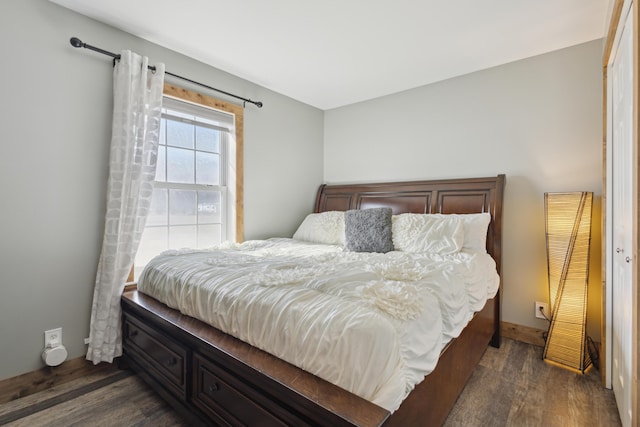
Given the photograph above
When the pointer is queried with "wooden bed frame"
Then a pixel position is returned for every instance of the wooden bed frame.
(212, 378)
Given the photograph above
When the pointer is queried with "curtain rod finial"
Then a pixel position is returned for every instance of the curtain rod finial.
(259, 104)
(76, 42)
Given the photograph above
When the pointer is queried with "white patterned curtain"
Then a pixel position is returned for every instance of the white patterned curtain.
(137, 95)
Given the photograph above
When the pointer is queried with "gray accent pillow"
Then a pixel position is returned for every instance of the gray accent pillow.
(368, 230)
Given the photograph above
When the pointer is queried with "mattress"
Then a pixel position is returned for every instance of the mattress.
(373, 324)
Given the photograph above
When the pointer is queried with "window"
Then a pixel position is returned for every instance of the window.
(195, 200)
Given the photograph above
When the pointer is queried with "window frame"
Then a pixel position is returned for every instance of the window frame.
(237, 111)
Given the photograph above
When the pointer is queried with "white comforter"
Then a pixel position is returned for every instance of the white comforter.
(373, 324)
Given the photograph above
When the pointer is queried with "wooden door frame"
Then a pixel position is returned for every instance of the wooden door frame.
(605, 320)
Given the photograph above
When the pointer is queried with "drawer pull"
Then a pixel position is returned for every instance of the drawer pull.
(213, 388)
(171, 361)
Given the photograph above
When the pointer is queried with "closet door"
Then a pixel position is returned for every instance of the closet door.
(621, 73)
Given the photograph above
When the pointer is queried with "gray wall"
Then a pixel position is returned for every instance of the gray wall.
(539, 121)
(55, 112)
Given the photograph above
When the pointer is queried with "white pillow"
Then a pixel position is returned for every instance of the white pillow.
(323, 227)
(418, 233)
(475, 229)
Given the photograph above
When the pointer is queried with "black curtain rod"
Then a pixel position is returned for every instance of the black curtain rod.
(76, 42)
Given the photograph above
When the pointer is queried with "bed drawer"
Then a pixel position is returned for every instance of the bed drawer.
(219, 394)
(158, 354)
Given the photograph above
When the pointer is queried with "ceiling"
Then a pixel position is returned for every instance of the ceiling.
(332, 53)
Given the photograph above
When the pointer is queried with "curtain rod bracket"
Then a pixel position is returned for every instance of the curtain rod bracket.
(77, 43)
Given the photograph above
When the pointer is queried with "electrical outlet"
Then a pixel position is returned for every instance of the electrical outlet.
(53, 337)
(545, 310)
(86, 340)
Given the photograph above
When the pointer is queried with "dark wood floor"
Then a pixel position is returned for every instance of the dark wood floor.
(512, 386)
(108, 398)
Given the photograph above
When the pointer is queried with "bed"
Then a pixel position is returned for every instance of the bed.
(212, 378)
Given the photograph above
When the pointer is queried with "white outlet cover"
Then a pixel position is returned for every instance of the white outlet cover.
(545, 310)
(53, 337)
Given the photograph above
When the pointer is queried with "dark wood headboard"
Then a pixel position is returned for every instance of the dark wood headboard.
(466, 195)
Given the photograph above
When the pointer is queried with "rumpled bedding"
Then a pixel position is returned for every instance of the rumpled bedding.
(373, 324)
